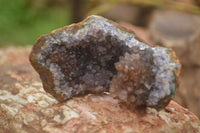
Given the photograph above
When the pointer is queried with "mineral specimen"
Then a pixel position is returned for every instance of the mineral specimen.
(98, 55)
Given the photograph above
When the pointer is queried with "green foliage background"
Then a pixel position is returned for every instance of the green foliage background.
(22, 21)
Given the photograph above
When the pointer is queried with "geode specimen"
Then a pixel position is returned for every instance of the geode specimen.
(98, 55)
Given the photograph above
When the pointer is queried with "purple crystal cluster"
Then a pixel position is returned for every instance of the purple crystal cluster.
(98, 55)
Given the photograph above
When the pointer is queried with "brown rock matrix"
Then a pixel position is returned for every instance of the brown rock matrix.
(98, 55)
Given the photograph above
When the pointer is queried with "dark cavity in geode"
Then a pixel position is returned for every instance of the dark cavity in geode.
(97, 55)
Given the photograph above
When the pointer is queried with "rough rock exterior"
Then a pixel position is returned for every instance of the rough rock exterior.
(26, 108)
(83, 58)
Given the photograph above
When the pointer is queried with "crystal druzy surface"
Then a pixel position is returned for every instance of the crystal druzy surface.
(98, 55)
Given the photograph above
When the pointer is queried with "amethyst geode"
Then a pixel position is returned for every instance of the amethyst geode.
(98, 55)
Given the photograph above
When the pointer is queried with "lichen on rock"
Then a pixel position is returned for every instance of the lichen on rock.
(98, 55)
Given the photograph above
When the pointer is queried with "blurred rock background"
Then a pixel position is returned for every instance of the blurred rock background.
(168, 23)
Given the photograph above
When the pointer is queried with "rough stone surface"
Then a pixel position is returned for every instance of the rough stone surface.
(179, 31)
(83, 58)
(26, 108)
